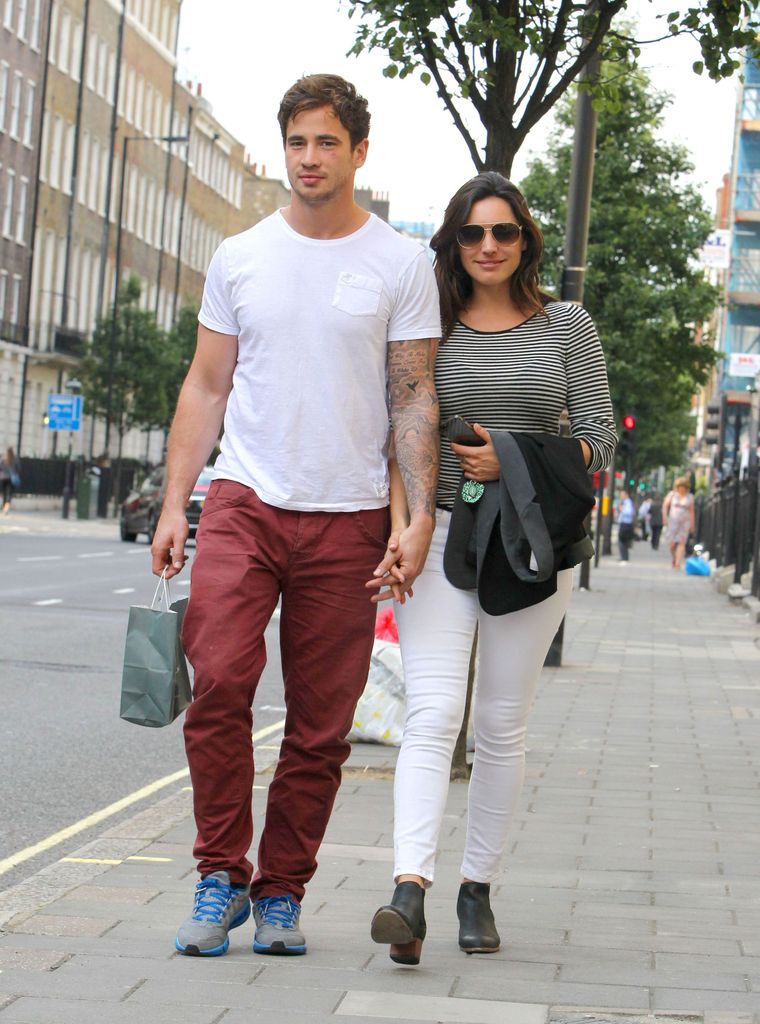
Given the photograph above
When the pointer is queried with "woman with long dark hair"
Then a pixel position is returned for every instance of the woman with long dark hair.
(512, 359)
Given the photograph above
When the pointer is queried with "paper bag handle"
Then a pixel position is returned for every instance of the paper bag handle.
(164, 593)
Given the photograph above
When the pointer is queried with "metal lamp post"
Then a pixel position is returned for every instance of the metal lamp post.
(74, 387)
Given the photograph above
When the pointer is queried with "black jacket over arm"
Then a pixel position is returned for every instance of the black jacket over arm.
(537, 507)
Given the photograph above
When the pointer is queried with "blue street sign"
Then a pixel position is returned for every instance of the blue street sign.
(64, 412)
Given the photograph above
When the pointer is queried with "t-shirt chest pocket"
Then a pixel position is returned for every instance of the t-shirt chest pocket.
(357, 294)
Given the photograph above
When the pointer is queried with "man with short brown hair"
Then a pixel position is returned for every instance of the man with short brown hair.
(313, 323)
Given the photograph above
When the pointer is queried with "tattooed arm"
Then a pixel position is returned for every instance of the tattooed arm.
(414, 413)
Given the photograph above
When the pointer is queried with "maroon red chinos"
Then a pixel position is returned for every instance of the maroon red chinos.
(248, 553)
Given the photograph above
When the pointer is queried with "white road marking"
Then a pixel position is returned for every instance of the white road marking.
(106, 812)
(41, 558)
(124, 590)
(49, 600)
(139, 551)
(97, 554)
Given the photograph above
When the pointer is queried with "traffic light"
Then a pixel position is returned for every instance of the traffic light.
(711, 433)
(628, 446)
(628, 437)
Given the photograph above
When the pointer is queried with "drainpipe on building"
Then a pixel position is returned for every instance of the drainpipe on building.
(109, 173)
(182, 214)
(74, 168)
(33, 237)
(167, 173)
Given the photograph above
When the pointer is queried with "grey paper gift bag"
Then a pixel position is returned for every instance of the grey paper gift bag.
(155, 686)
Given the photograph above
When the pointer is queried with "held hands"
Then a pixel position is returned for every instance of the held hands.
(403, 562)
(168, 547)
(478, 463)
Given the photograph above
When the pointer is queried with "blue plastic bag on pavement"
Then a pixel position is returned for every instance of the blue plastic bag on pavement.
(696, 566)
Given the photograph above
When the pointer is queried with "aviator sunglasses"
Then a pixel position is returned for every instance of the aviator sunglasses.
(505, 233)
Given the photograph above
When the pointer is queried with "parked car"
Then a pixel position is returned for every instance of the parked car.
(141, 509)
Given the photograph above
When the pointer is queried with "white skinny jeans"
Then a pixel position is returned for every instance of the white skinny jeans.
(436, 629)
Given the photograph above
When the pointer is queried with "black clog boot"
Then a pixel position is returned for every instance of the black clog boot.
(402, 923)
(477, 928)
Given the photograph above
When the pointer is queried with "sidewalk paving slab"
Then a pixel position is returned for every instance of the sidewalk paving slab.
(631, 890)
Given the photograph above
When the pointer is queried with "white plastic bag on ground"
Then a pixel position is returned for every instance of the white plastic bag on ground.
(380, 713)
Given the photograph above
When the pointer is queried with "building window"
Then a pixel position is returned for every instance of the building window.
(53, 31)
(3, 292)
(103, 69)
(23, 192)
(4, 72)
(64, 43)
(91, 73)
(34, 32)
(84, 167)
(164, 30)
(139, 101)
(111, 74)
(8, 16)
(68, 158)
(76, 51)
(94, 175)
(15, 298)
(56, 151)
(148, 115)
(18, 84)
(21, 20)
(102, 181)
(28, 129)
(130, 111)
(10, 187)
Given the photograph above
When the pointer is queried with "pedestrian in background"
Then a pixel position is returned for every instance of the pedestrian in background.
(678, 511)
(644, 509)
(655, 519)
(309, 321)
(10, 478)
(626, 519)
(512, 359)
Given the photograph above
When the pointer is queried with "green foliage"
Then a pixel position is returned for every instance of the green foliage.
(643, 286)
(131, 353)
(510, 61)
(181, 343)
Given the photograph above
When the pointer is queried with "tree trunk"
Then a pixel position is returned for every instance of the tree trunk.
(501, 147)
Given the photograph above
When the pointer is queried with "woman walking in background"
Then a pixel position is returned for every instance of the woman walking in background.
(10, 478)
(511, 360)
(678, 513)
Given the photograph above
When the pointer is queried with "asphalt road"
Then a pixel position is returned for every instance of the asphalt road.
(64, 751)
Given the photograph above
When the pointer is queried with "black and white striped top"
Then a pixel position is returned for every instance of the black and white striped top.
(521, 379)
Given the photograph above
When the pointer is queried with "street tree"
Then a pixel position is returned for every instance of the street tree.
(643, 286)
(506, 63)
(181, 341)
(126, 370)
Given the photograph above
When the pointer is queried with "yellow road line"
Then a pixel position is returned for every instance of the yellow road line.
(106, 812)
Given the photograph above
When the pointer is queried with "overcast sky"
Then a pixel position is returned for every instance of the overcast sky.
(247, 54)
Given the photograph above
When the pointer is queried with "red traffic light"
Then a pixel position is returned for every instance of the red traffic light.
(629, 422)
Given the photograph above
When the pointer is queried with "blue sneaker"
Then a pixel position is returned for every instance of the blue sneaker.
(277, 930)
(219, 906)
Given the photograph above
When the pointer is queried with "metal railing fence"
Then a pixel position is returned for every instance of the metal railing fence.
(728, 525)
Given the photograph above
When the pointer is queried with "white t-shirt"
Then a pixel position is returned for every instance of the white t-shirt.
(306, 424)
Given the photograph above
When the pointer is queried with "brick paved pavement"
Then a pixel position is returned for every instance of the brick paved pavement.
(631, 891)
